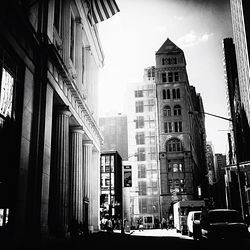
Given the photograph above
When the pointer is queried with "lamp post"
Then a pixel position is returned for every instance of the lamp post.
(236, 152)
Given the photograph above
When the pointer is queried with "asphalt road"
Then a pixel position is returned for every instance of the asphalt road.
(140, 240)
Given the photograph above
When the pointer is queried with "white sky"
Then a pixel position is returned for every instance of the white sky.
(131, 37)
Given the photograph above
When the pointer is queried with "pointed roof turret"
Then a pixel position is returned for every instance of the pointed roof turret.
(169, 47)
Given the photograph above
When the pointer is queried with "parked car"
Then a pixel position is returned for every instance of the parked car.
(193, 224)
(223, 224)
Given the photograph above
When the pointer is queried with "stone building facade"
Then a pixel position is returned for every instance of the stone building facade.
(50, 142)
(181, 134)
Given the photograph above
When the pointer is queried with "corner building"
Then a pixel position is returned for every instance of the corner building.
(181, 134)
(49, 60)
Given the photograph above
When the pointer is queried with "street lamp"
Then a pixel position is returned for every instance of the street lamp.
(236, 151)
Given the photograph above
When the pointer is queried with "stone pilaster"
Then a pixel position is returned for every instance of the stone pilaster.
(94, 201)
(60, 181)
(87, 155)
(76, 171)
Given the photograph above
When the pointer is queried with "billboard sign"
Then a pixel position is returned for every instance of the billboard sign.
(127, 176)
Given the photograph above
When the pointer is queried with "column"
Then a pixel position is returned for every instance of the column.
(87, 154)
(76, 162)
(46, 161)
(60, 173)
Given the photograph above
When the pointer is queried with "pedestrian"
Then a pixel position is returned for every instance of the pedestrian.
(163, 223)
(109, 226)
(103, 223)
(140, 225)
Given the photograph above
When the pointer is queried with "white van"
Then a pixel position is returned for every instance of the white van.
(193, 224)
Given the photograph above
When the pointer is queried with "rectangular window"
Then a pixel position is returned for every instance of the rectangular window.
(164, 77)
(167, 127)
(178, 127)
(175, 166)
(107, 160)
(138, 93)
(140, 138)
(139, 107)
(142, 185)
(72, 39)
(83, 65)
(152, 153)
(170, 76)
(176, 76)
(107, 169)
(107, 182)
(141, 171)
(143, 206)
(139, 122)
(6, 94)
(57, 15)
(141, 154)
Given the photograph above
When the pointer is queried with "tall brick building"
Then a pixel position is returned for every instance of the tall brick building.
(181, 134)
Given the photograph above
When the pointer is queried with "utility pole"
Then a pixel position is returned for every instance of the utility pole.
(233, 120)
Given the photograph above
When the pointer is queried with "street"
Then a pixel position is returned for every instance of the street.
(146, 239)
(135, 239)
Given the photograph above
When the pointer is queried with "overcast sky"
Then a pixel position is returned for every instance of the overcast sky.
(131, 37)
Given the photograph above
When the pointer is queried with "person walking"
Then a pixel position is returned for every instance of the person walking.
(163, 223)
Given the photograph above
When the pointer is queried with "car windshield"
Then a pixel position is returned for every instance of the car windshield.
(224, 216)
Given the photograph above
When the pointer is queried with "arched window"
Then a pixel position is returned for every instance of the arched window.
(177, 110)
(163, 94)
(166, 110)
(168, 94)
(174, 145)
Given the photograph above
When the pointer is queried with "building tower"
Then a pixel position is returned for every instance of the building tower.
(181, 131)
(114, 132)
(142, 151)
(241, 33)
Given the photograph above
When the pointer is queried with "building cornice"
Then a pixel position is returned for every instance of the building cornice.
(82, 109)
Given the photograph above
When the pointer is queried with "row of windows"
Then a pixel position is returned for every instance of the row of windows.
(144, 93)
(170, 77)
(107, 160)
(143, 172)
(141, 138)
(175, 166)
(148, 206)
(166, 94)
(169, 61)
(141, 154)
(174, 145)
(151, 73)
(176, 185)
(148, 106)
(140, 122)
(105, 182)
(170, 127)
(167, 110)
(107, 169)
(148, 188)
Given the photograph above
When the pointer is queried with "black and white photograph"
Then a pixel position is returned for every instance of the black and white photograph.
(124, 124)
